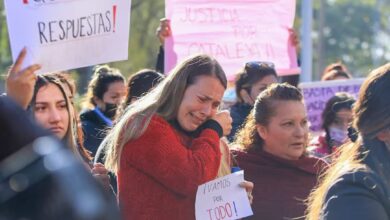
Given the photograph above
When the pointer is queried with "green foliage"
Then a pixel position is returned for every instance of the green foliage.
(351, 34)
(5, 55)
(144, 45)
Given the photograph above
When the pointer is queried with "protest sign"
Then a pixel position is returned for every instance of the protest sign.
(234, 32)
(222, 198)
(316, 94)
(67, 34)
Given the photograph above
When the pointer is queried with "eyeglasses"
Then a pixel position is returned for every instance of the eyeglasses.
(259, 65)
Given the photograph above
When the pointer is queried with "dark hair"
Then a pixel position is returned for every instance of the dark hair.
(264, 108)
(339, 66)
(372, 110)
(141, 82)
(339, 101)
(44, 80)
(250, 75)
(103, 76)
(333, 74)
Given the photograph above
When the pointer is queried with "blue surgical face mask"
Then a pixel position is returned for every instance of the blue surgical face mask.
(339, 136)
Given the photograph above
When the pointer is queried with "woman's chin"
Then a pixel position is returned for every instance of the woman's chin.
(189, 127)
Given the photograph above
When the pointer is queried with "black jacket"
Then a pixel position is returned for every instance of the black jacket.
(238, 112)
(94, 128)
(363, 194)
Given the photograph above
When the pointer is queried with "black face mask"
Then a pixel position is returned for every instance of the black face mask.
(110, 110)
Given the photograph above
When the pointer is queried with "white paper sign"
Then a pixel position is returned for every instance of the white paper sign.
(222, 198)
(68, 34)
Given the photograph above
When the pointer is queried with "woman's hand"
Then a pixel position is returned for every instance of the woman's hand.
(248, 188)
(225, 120)
(164, 30)
(20, 83)
(294, 39)
(101, 174)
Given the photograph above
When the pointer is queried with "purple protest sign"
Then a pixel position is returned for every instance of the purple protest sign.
(316, 94)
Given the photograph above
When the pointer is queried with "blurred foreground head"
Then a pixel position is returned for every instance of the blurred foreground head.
(40, 178)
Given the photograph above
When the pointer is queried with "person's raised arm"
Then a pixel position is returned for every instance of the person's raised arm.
(163, 31)
(20, 82)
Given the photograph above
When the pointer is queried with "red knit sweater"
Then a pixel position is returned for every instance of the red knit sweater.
(158, 175)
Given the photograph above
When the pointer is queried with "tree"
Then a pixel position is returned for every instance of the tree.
(351, 34)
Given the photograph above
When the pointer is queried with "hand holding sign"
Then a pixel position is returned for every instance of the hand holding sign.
(164, 30)
(223, 198)
(248, 186)
(20, 82)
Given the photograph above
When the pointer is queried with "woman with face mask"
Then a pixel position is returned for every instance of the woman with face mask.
(336, 118)
(357, 185)
(106, 91)
(139, 84)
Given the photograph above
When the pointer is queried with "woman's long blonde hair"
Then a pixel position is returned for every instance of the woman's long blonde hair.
(163, 100)
(371, 114)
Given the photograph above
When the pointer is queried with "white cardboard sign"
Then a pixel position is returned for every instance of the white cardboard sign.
(222, 198)
(68, 34)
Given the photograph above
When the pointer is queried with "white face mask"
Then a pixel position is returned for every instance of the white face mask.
(338, 135)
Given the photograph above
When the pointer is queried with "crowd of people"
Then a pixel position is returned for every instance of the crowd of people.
(151, 140)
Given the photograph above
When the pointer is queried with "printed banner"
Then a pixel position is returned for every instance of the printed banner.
(222, 198)
(234, 32)
(68, 34)
(316, 94)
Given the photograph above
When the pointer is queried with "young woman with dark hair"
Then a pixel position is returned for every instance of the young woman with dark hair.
(250, 82)
(106, 91)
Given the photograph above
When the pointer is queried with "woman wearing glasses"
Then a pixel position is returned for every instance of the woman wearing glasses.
(250, 81)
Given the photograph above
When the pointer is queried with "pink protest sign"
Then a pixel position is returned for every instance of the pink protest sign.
(234, 32)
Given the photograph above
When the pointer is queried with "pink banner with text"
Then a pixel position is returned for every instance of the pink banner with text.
(232, 31)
